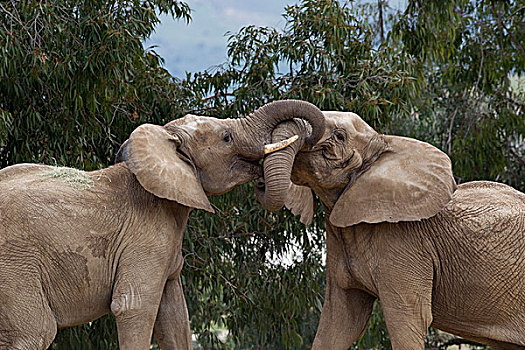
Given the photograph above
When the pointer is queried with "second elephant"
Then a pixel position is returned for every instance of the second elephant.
(398, 229)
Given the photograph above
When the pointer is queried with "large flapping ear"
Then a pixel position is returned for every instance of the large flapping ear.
(412, 181)
(300, 201)
(151, 154)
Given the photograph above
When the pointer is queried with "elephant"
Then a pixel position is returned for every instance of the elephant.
(77, 245)
(399, 230)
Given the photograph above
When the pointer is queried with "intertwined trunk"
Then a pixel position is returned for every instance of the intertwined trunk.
(256, 129)
(278, 165)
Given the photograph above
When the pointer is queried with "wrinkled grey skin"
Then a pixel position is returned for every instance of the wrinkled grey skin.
(77, 245)
(456, 263)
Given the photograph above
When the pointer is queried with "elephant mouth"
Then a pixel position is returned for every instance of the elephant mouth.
(260, 184)
(252, 167)
(240, 171)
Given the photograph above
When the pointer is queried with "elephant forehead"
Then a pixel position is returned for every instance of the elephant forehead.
(348, 121)
(357, 129)
(195, 124)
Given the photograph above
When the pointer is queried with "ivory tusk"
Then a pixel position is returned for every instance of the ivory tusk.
(279, 145)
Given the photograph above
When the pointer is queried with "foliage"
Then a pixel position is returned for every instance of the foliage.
(238, 279)
(473, 100)
(76, 80)
(327, 58)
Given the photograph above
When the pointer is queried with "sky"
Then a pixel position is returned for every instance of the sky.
(201, 44)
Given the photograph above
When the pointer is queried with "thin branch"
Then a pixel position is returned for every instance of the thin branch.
(381, 25)
(207, 98)
(449, 140)
(459, 341)
(482, 59)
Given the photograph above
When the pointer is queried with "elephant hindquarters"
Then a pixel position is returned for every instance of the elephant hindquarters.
(26, 320)
(482, 260)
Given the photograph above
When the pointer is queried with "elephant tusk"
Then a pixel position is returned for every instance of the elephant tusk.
(279, 145)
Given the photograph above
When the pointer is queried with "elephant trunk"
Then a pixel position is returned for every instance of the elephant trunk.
(272, 192)
(258, 126)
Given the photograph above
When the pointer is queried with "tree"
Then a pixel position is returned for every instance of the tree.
(74, 77)
(473, 99)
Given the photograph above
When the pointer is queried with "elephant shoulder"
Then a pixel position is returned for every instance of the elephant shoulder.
(29, 175)
(15, 179)
(486, 206)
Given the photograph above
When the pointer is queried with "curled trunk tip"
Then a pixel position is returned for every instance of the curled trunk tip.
(276, 112)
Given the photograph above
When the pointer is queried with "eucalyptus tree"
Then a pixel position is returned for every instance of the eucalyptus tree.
(75, 77)
(472, 56)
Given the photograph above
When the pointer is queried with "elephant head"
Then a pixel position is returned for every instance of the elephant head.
(194, 156)
(359, 174)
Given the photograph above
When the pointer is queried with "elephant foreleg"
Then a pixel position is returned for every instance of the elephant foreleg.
(408, 327)
(407, 307)
(344, 317)
(172, 327)
(136, 297)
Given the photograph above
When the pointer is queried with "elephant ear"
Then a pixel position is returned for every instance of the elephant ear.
(151, 153)
(412, 181)
(300, 201)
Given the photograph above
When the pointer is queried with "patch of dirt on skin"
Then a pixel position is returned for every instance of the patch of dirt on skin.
(70, 261)
(98, 246)
(73, 177)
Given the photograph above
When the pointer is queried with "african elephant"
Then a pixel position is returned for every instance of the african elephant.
(76, 245)
(398, 229)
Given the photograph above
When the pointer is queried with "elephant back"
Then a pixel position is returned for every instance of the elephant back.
(487, 208)
(10, 172)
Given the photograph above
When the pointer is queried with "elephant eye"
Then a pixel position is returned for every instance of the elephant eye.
(339, 135)
(227, 138)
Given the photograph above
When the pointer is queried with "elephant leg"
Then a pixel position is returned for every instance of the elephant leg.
(407, 308)
(407, 330)
(135, 317)
(172, 327)
(344, 317)
(135, 301)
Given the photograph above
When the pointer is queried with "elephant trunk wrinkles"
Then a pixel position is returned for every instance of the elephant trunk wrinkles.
(258, 126)
(278, 165)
